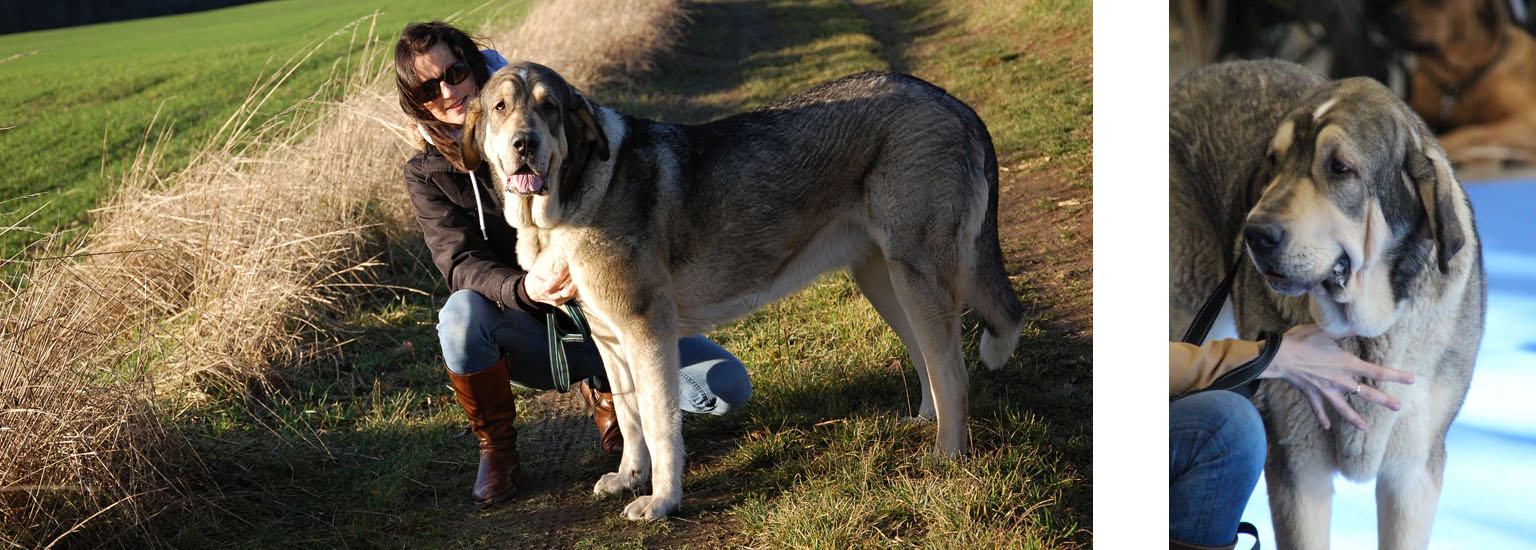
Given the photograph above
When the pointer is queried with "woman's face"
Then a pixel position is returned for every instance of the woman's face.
(448, 104)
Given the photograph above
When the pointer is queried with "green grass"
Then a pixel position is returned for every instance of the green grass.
(81, 102)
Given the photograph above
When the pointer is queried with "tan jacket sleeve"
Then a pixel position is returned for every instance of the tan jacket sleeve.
(1193, 367)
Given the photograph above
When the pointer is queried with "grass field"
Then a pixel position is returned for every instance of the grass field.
(362, 446)
(80, 102)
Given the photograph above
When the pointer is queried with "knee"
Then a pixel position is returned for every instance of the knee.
(1229, 425)
(717, 381)
(457, 322)
(1241, 431)
(731, 385)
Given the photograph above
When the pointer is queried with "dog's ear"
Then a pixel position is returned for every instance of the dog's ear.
(1492, 14)
(1432, 176)
(585, 113)
(469, 147)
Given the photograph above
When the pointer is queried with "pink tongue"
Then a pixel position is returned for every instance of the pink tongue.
(526, 184)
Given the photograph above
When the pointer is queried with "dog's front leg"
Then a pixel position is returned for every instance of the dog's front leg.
(1300, 483)
(635, 463)
(1408, 488)
(651, 348)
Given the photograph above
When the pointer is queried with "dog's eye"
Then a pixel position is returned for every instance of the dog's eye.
(1338, 168)
(501, 105)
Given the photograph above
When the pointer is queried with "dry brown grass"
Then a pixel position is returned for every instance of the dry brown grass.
(220, 277)
(591, 43)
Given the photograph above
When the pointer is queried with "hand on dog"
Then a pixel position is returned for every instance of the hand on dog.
(550, 281)
(1310, 360)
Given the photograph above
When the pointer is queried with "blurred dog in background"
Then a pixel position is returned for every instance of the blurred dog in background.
(1473, 80)
(1468, 67)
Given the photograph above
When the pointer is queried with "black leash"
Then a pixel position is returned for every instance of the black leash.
(559, 365)
(1201, 326)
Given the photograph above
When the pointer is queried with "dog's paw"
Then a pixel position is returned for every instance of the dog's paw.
(613, 483)
(648, 508)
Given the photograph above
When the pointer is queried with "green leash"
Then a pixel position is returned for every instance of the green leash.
(559, 365)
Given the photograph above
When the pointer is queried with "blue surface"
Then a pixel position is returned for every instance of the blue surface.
(1489, 497)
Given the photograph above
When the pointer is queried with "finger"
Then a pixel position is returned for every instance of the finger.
(1346, 411)
(1380, 398)
(1386, 374)
(1317, 408)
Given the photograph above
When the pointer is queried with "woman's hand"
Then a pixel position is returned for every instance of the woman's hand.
(550, 281)
(1311, 360)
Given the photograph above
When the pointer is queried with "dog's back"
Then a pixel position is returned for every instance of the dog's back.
(873, 161)
(1220, 119)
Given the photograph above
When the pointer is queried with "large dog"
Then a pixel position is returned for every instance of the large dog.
(1351, 219)
(1474, 78)
(670, 230)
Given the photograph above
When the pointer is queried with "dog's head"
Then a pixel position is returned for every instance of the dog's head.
(537, 133)
(1359, 198)
(1440, 27)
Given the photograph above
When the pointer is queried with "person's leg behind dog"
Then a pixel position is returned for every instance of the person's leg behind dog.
(475, 334)
(1216, 452)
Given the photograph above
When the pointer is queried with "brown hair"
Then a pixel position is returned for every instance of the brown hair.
(415, 40)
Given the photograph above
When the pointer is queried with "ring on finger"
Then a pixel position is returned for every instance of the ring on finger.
(1358, 387)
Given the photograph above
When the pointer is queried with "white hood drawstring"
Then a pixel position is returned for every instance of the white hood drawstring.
(473, 184)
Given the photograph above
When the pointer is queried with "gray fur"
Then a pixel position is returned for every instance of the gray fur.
(671, 230)
(1416, 297)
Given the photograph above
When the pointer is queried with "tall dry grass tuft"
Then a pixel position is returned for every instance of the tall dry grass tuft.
(222, 277)
(591, 43)
(79, 435)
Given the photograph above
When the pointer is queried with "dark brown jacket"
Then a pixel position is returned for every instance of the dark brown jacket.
(445, 207)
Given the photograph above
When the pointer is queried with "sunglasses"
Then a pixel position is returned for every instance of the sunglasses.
(452, 75)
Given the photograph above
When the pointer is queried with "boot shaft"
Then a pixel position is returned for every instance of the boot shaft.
(487, 399)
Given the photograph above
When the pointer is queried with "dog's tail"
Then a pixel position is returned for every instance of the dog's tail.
(991, 294)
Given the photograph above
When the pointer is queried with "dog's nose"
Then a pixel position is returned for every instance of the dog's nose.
(525, 143)
(1263, 236)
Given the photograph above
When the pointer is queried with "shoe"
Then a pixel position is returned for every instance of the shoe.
(601, 403)
(486, 397)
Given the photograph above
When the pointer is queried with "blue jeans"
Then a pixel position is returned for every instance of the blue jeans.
(475, 333)
(1215, 454)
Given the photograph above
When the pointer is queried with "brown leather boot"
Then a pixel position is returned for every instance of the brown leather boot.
(607, 420)
(487, 400)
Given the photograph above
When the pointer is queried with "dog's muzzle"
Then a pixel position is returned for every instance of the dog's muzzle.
(1266, 242)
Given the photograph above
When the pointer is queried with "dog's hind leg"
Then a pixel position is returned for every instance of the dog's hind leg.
(932, 309)
(1406, 494)
(874, 280)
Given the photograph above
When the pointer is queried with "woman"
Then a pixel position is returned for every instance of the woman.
(1216, 438)
(491, 328)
